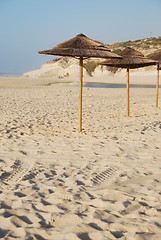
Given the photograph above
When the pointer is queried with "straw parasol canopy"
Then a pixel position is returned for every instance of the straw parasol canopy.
(81, 47)
(131, 59)
(156, 56)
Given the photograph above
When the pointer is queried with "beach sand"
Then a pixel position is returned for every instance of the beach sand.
(58, 184)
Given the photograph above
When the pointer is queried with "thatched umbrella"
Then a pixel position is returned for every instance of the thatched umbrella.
(156, 56)
(131, 59)
(81, 47)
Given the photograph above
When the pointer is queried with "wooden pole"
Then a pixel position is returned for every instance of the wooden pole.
(80, 92)
(157, 86)
(128, 111)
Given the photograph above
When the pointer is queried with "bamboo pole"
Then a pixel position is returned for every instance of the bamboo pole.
(128, 111)
(80, 92)
(157, 86)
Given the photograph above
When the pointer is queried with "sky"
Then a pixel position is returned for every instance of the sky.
(27, 26)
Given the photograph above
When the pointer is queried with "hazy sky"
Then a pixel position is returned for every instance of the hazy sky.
(27, 26)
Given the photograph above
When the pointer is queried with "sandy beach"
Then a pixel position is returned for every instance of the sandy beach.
(58, 184)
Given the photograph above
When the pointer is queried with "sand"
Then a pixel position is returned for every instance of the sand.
(58, 184)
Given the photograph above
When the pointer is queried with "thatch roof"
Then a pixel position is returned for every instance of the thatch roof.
(130, 52)
(156, 56)
(81, 46)
(131, 59)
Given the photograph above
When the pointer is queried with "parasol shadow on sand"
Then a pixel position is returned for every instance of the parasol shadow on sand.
(156, 56)
(131, 59)
(81, 47)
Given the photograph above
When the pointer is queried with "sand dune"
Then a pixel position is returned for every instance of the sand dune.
(56, 183)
